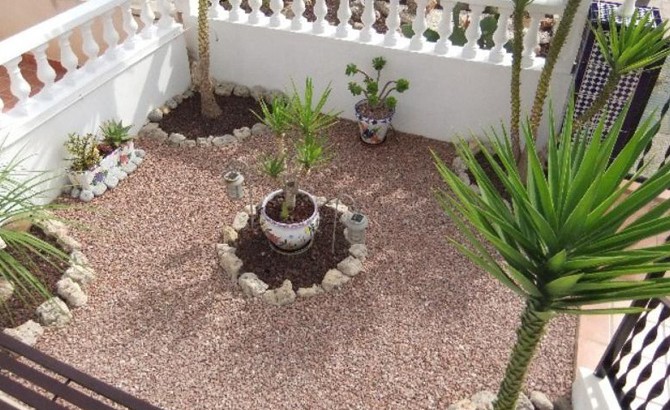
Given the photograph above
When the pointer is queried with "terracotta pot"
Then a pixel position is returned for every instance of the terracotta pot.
(289, 237)
(372, 130)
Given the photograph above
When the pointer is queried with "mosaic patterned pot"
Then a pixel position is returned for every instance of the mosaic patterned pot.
(289, 237)
(373, 131)
(88, 179)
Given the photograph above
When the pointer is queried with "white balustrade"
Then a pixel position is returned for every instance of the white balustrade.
(627, 9)
(89, 45)
(393, 23)
(147, 18)
(298, 20)
(68, 58)
(276, 7)
(214, 9)
(419, 26)
(235, 10)
(531, 40)
(166, 21)
(17, 84)
(473, 32)
(343, 14)
(444, 29)
(45, 73)
(500, 36)
(368, 19)
(129, 25)
(320, 11)
(254, 16)
(109, 33)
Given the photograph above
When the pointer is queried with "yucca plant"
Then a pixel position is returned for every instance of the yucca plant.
(638, 44)
(563, 240)
(18, 191)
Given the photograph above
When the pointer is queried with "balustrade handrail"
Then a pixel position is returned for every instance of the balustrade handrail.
(54, 27)
(544, 6)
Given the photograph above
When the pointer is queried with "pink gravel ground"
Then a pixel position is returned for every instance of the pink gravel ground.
(420, 328)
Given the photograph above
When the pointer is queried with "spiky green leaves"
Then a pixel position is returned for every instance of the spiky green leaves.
(83, 150)
(114, 133)
(375, 95)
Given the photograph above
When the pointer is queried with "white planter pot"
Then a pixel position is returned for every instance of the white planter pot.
(289, 236)
(372, 131)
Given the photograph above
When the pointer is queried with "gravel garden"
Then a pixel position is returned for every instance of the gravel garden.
(415, 326)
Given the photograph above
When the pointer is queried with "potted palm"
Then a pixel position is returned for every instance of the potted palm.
(375, 112)
(289, 216)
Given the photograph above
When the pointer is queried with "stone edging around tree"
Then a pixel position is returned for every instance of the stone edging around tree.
(253, 287)
(483, 400)
(152, 129)
(70, 288)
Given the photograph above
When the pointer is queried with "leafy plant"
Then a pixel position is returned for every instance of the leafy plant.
(114, 133)
(638, 44)
(566, 234)
(297, 122)
(18, 191)
(84, 151)
(377, 97)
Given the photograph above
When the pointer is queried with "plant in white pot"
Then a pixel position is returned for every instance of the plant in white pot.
(375, 112)
(289, 216)
(85, 172)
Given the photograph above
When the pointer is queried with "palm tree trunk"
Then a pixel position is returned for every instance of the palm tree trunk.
(550, 62)
(208, 105)
(534, 320)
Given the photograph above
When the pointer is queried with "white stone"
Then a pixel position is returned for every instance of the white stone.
(27, 333)
(228, 234)
(176, 139)
(459, 165)
(350, 266)
(203, 142)
(155, 115)
(130, 166)
(69, 243)
(241, 91)
(53, 228)
(309, 292)
(54, 312)
(242, 133)
(77, 257)
(250, 209)
(76, 191)
(339, 206)
(464, 177)
(188, 93)
(541, 401)
(321, 200)
(240, 221)
(224, 88)
(483, 400)
(334, 279)
(259, 129)
(257, 92)
(137, 160)
(281, 296)
(119, 173)
(223, 140)
(187, 144)
(6, 290)
(171, 103)
(359, 251)
(154, 132)
(252, 286)
(178, 98)
(86, 195)
(231, 264)
(463, 405)
(71, 292)
(80, 274)
(98, 190)
(222, 248)
(111, 181)
(524, 403)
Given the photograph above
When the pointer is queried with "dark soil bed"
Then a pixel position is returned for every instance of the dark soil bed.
(16, 311)
(186, 118)
(302, 270)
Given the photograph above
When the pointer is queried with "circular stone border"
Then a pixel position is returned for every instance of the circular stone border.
(54, 312)
(253, 287)
(152, 129)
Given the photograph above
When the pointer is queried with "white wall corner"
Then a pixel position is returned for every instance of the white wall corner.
(590, 392)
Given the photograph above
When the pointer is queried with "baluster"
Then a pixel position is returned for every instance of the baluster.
(45, 73)
(444, 29)
(368, 18)
(500, 36)
(530, 41)
(419, 26)
(276, 7)
(89, 45)
(165, 21)
(17, 84)
(254, 16)
(298, 8)
(320, 11)
(343, 14)
(214, 9)
(393, 23)
(147, 17)
(235, 10)
(129, 25)
(109, 33)
(68, 58)
(473, 32)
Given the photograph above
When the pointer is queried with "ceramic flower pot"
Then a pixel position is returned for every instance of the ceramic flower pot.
(126, 152)
(289, 237)
(87, 180)
(372, 130)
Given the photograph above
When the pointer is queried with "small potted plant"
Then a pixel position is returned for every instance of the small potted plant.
(289, 216)
(84, 171)
(117, 146)
(375, 112)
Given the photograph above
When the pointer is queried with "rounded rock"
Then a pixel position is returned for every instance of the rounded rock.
(155, 115)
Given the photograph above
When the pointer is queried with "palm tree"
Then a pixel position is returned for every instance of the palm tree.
(565, 235)
(208, 105)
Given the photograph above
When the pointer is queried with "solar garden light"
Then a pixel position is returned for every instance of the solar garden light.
(337, 205)
(234, 180)
(356, 224)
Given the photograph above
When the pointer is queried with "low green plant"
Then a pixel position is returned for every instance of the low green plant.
(83, 150)
(20, 250)
(297, 122)
(376, 97)
(115, 134)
